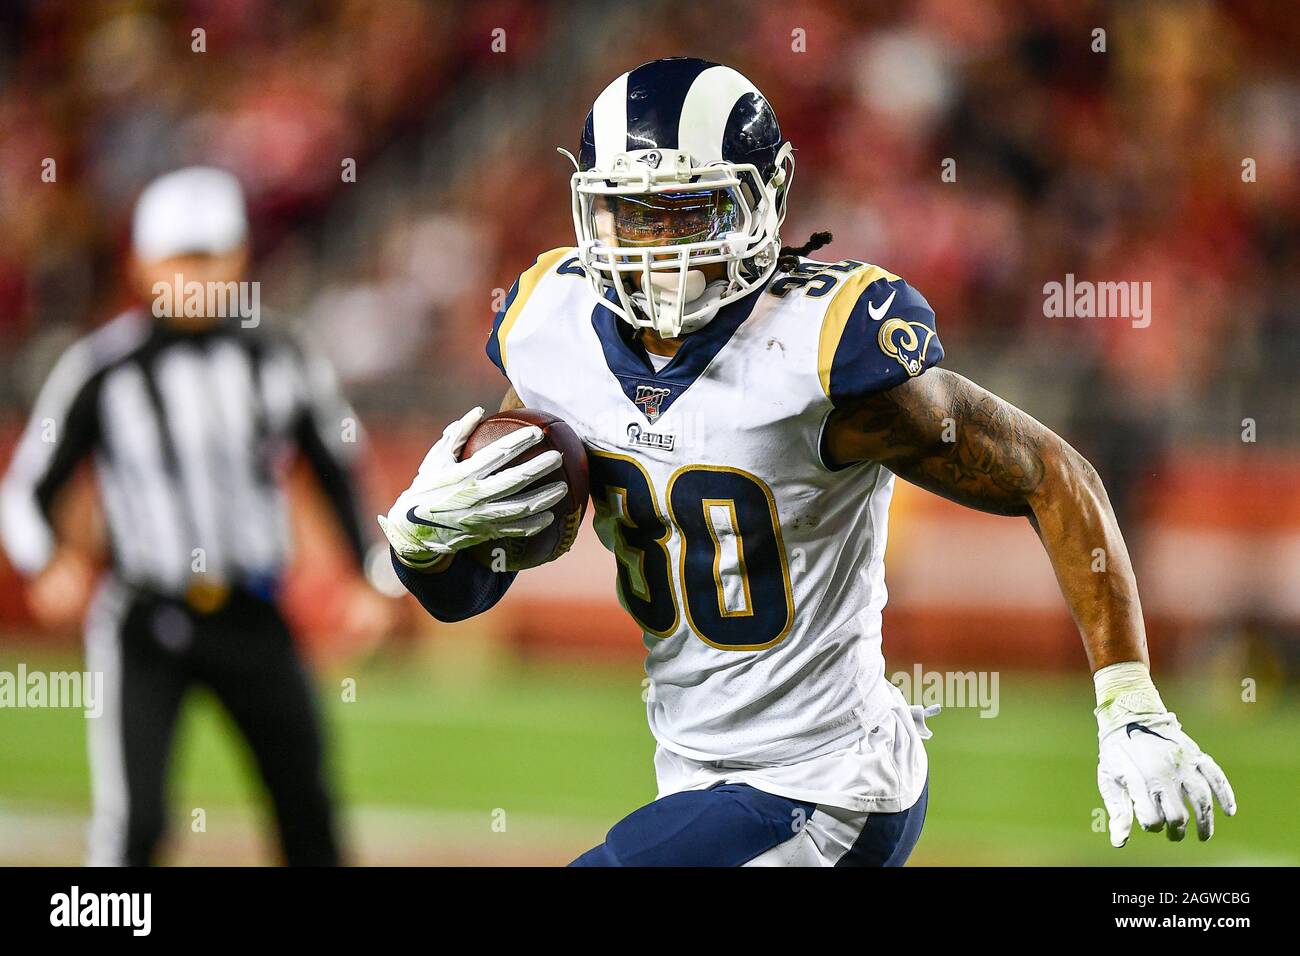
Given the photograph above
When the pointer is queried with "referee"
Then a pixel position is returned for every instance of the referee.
(188, 414)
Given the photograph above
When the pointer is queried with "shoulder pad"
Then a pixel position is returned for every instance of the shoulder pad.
(517, 298)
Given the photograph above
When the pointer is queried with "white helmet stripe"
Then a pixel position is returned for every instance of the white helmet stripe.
(707, 108)
(609, 123)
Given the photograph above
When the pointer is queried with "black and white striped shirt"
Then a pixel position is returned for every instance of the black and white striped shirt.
(189, 434)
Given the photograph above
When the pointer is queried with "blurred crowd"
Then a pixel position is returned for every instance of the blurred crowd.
(291, 95)
(1163, 150)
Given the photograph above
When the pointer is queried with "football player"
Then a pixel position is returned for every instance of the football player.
(746, 410)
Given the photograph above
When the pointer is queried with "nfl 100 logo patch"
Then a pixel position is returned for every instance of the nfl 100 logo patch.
(650, 399)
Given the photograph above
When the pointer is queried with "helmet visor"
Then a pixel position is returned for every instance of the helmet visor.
(665, 218)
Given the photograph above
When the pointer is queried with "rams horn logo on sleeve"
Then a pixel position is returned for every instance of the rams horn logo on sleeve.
(906, 342)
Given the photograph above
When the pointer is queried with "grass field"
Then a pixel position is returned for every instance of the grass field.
(531, 763)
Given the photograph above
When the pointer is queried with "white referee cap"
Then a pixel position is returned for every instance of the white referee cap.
(196, 209)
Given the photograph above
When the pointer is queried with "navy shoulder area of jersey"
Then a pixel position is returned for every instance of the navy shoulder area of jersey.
(518, 295)
(877, 333)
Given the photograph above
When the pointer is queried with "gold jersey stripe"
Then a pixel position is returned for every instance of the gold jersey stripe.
(527, 282)
(837, 317)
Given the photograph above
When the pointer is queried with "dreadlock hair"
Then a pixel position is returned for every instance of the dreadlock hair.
(788, 257)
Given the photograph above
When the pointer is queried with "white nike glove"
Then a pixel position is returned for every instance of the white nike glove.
(1148, 764)
(453, 504)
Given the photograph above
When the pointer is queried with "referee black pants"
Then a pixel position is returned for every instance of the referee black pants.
(152, 650)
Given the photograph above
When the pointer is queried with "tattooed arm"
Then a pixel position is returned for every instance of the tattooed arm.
(950, 436)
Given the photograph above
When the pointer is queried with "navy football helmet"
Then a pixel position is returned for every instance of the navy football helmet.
(681, 165)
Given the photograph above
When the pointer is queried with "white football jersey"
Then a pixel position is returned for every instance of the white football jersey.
(755, 571)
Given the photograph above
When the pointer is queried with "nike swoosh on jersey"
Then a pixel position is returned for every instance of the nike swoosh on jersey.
(879, 313)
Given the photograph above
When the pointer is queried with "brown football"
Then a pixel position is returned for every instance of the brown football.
(518, 554)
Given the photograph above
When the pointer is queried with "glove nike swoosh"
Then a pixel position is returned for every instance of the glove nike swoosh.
(412, 517)
(1128, 729)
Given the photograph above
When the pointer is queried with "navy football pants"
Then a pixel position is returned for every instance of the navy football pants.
(731, 824)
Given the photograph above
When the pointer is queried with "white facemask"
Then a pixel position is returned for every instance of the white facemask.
(748, 249)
